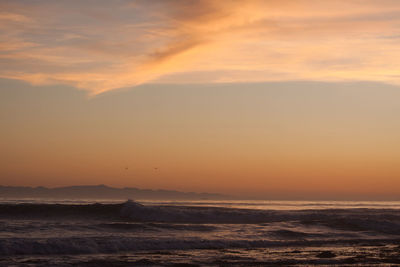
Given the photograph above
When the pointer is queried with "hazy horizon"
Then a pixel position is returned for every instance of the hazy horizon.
(311, 137)
(279, 196)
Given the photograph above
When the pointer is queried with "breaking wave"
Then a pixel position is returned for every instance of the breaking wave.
(360, 219)
(95, 245)
(107, 228)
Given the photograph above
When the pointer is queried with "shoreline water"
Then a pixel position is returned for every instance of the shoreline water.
(204, 233)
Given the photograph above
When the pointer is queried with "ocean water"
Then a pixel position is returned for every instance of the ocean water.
(37, 232)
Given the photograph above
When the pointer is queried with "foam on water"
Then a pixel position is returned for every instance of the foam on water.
(94, 228)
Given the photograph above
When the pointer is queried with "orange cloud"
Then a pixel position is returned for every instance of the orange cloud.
(169, 41)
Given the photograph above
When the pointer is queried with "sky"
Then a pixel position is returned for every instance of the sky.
(271, 99)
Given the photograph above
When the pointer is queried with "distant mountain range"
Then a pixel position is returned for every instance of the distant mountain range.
(101, 192)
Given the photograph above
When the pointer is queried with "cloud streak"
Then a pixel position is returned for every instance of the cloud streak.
(125, 43)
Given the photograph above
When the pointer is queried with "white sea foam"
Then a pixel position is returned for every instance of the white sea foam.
(44, 229)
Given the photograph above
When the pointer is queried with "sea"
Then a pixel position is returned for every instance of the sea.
(45, 232)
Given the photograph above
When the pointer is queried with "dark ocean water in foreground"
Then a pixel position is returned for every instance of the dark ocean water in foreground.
(198, 233)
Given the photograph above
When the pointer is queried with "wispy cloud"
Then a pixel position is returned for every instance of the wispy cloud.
(13, 17)
(109, 45)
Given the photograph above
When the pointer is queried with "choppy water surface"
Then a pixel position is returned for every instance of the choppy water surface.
(200, 233)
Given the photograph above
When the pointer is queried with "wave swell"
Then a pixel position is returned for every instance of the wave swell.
(385, 221)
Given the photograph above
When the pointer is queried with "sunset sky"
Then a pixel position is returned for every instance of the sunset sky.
(271, 99)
